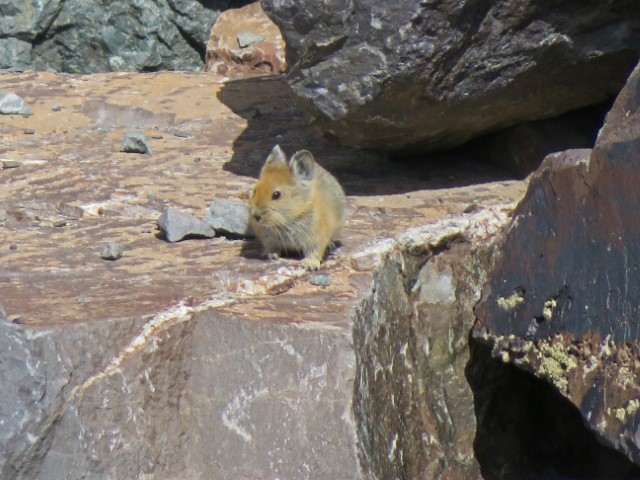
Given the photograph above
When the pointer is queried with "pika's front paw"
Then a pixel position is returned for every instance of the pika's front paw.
(311, 264)
(269, 255)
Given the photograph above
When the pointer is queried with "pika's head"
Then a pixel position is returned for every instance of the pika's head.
(284, 190)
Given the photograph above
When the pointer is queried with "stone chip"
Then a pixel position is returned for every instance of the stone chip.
(135, 143)
(12, 104)
(231, 218)
(178, 225)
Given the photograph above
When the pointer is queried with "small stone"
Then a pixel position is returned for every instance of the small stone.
(29, 131)
(228, 217)
(12, 104)
(183, 135)
(10, 164)
(113, 251)
(157, 136)
(13, 247)
(60, 223)
(320, 280)
(135, 143)
(472, 207)
(17, 319)
(246, 39)
(84, 299)
(177, 225)
(56, 107)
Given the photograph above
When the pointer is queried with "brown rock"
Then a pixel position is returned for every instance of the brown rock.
(245, 41)
(199, 359)
(563, 300)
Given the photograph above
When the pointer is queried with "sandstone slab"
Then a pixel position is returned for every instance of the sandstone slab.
(199, 359)
(245, 41)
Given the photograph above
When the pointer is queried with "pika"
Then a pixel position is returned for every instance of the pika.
(296, 206)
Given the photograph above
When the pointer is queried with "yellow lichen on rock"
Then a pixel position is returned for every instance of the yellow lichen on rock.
(555, 363)
(510, 302)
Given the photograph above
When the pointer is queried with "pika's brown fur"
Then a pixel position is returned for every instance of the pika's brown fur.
(296, 206)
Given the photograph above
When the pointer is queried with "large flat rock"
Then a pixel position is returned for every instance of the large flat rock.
(199, 356)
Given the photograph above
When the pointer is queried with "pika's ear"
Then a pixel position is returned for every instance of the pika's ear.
(276, 157)
(302, 165)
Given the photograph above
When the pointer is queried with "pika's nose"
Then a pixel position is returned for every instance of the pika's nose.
(257, 217)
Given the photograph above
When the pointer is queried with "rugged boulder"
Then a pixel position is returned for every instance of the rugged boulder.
(245, 41)
(99, 36)
(409, 75)
(563, 299)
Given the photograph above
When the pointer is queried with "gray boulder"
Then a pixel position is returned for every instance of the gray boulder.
(430, 75)
(87, 36)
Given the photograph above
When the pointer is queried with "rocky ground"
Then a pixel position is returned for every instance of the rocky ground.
(147, 334)
(74, 190)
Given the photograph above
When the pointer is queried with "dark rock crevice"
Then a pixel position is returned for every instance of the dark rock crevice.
(527, 430)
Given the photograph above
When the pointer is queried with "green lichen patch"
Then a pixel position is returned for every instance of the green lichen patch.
(555, 364)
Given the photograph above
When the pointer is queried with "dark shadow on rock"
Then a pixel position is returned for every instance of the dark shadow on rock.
(521, 148)
(275, 115)
(527, 430)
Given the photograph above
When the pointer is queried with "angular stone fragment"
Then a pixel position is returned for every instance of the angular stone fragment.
(320, 280)
(228, 217)
(177, 225)
(113, 251)
(135, 143)
(12, 104)
(246, 39)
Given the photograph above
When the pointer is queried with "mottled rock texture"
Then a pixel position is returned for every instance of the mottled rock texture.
(409, 75)
(245, 41)
(97, 36)
(563, 299)
(413, 403)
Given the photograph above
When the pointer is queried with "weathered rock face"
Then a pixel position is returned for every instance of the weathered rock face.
(99, 36)
(198, 359)
(563, 299)
(429, 75)
(245, 41)
(412, 401)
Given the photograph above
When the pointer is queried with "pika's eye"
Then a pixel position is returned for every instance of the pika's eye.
(276, 195)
